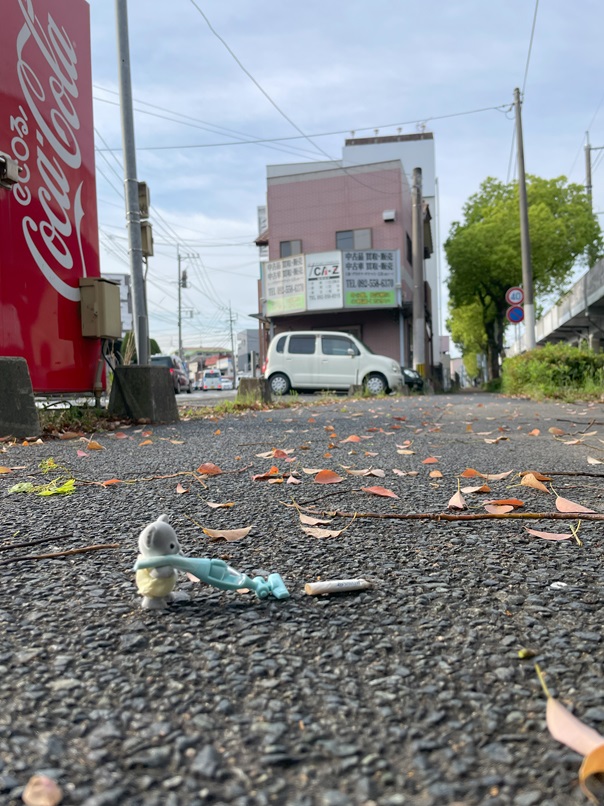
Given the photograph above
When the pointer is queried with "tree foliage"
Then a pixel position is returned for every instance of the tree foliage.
(484, 254)
(466, 326)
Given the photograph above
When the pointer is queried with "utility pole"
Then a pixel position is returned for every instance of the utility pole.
(233, 348)
(588, 169)
(525, 242)
(133, 219)
(419, 302)
(179, 304)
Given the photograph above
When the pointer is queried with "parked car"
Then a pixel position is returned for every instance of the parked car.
(227, 384)
(413, 379)
(211, 379)
(180, 377)
(327, 360)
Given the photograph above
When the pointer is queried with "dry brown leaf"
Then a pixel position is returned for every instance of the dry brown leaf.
(5, 470)
(435, 474)
(370, 453)
(231, 535)
(496, 476)
(484, 488)
(548, 535)
(572, 442)
(495, 440)
(121, 435)
(536, 474)
(494, 509)
(308, 520)
(506, 502)
(351, 438)
(276, 480)
(316, 531)
(405, 452)
(93, 445)
(383, 491)
(531, 481)
(470, 473)
(278, 453)
(564, 505)
(41, 790)
(534, 433)
(327, 477)
(270, 474)
(293, 480)
(591, 460)
(209, 469)
(110, 481)
(557, 432)
(215, 505)
(311, 471)
(431, 460)
(569, 730)
(144, 442)
(70, 435)
(457, 502)
(591, 774)
(180, 489)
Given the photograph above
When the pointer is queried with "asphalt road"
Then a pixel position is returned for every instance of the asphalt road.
(409, 692)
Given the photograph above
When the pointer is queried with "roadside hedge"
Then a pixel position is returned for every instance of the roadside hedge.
(555, 370)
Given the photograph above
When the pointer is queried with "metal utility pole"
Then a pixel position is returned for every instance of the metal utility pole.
(179, 304)
(588, 168)
(525, 242)
(419, 302)
(133, 219)
(233, 348)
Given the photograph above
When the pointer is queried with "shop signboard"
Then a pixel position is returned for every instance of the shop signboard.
(48, 220)
(370, 278)
(324, 281)
(284, 285)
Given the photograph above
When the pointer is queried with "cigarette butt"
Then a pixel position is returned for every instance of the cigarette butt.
(336, 586)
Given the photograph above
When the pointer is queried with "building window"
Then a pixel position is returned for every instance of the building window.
(409, 249)
(302, 345)
(353, 239)
(289, 248)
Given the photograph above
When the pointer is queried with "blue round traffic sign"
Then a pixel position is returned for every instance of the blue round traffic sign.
(515, 314)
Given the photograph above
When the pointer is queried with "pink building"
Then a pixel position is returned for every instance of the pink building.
(340, 253)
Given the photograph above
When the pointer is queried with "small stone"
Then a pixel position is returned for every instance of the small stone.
(206, 762)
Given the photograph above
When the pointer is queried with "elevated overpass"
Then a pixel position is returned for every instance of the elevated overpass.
(579, 316)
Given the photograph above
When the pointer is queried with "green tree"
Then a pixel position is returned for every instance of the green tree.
(483, 251)
(467, 329)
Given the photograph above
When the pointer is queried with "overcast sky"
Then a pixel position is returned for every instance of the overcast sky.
(331, 67)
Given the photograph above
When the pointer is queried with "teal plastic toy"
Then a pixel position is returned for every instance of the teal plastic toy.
(219, 574)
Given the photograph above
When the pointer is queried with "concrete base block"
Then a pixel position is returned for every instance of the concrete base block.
(257, 390)
(355, 389)
(18, 413)
(143, 393)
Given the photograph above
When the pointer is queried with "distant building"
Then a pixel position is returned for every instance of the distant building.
(248, 350)
(338, 237)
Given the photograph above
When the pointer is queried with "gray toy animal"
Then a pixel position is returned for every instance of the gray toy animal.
(155, 585)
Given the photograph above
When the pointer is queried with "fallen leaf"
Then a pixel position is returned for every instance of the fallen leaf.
(506, 502)
(180, 489)
(593, 461)
(215, 505)
(310, 471)
(5, 470)
(121, 435)
(405, 472)
(293, 480)
(496, 476)
(557, 432)
(564, 505)
(327, 456)
(569, 730)
(431, 460)
(327, 477)
(538, 476)
(42, 791)
(484, 488)
(83, 454)
(383, 491)
(217, 432)
(231, 535)
(497, 510)
(370, 453)
(351, 438)
(534, 433)
(94, 446)
(144, 442)
(308, 520)
(270, 474)
(495, 441)
(457, 502)
(531, 481)
(109, 482)
(70, 435)
(435, 474)
(316, 531)
(548, 535)
(405, 452)
(593, 768)
(209, 469)
(470, 473)
(146, 433)
(572, 442)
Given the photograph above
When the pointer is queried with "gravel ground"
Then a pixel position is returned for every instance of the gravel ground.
(411, 692)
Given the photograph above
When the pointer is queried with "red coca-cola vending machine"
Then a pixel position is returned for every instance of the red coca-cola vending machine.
(48, 218)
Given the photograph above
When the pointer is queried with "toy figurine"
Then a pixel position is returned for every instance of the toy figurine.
(219, 574)
(155, 583)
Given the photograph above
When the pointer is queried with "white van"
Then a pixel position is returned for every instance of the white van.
(325, 359)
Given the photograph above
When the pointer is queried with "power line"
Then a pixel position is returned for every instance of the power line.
(528, 58)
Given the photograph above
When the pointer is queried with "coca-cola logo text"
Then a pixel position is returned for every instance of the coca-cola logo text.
(49, 114)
